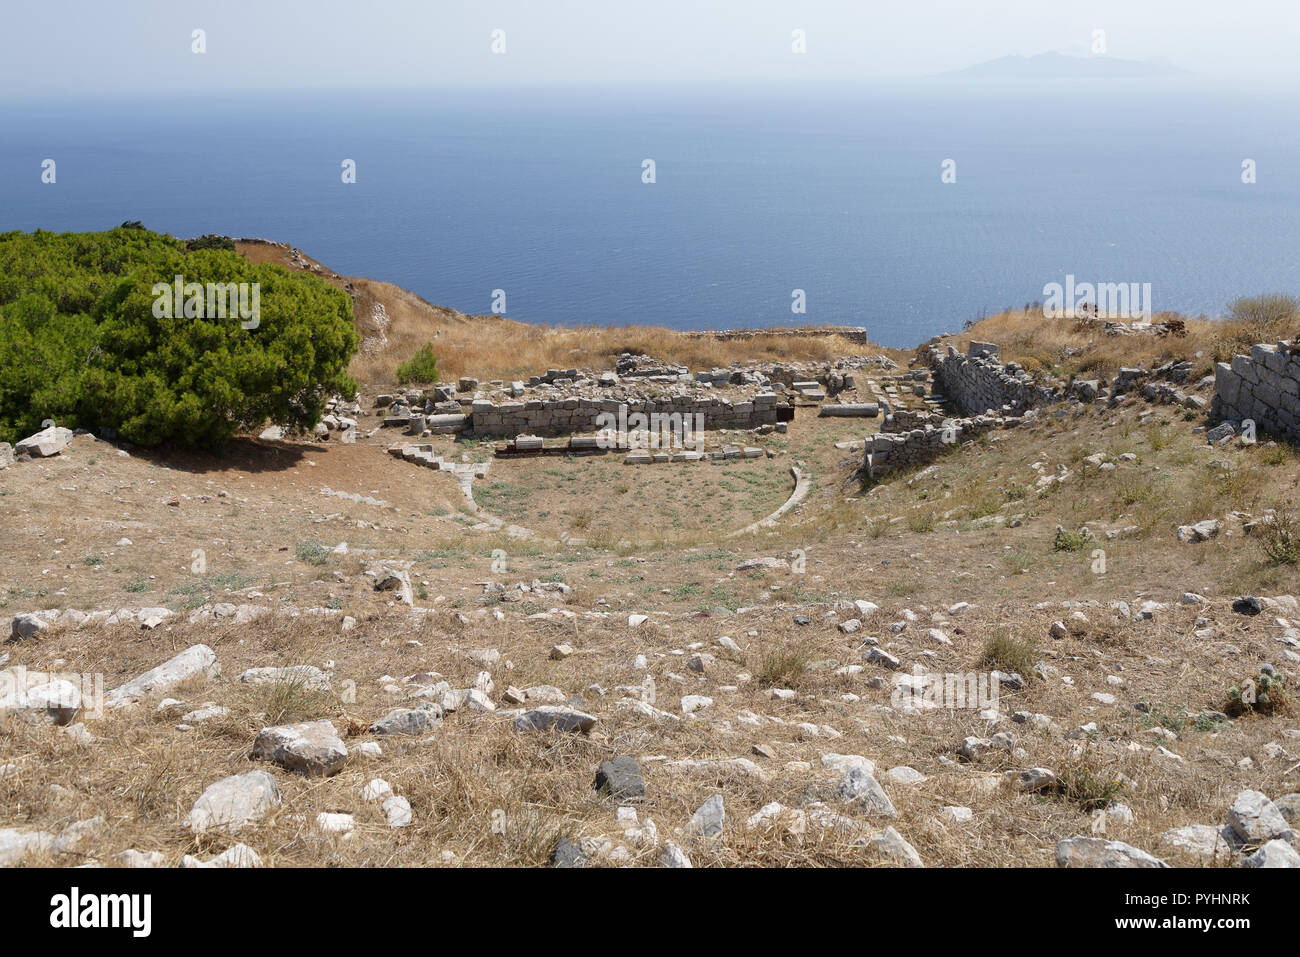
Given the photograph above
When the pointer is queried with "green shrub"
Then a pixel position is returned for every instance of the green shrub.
(80, 342)
(1279, 538)
(922, 521)
(313, 553)
(1067, 541)
(1264, 310)
(421, 368)
(1089, 785)
(210, 241)
(1264, 694)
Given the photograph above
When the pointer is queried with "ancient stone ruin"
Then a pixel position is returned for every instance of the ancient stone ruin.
(1263, 387)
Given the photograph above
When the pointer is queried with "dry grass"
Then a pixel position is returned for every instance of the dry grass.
(490, 795)
(1064, 347)
(977, 529)
(495, 347)
(1279, 538)
(1007, 651)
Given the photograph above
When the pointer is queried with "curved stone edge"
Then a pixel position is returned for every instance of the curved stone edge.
(487, 521)
(802, 486)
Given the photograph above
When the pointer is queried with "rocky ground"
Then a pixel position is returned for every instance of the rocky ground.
(308, 652)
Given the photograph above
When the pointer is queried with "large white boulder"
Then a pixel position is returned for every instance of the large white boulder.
(45, 443)
(199, 660)
(309, 747)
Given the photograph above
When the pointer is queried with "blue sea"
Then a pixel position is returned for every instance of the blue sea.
(836, 191)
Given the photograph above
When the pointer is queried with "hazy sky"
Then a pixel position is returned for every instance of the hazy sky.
(74, 48)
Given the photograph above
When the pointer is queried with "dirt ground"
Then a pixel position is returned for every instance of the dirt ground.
(484, 793)
(1020, 551)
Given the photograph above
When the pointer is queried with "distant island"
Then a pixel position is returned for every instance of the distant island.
(1064, 66)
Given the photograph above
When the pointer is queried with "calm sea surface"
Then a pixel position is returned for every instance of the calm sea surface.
(838, 194)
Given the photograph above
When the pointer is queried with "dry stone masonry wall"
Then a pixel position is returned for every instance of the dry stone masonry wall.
(855, 334)
(563, 416)
(1264, 387)
(893, 451)
(978, 382)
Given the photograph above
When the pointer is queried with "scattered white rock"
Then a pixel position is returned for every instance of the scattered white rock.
(1275, 853)
(1256, 820)
(692, 703)
(859, 787)
(308, 747)
(329, 823)
(398, 811)
(200, 661)
(376, 790)
(234, 802)
(891, 846)
(1098, 852)
(709, 818)
(673, 856)
(240, 855)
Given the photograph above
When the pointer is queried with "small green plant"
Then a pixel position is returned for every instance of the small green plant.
(1208, 723)
(780, 667)
(421, 367)
(903, 587)
(922, 521)
(1275, 453)
(1264, 694)
(1279, 538)
(294, 700)
(1089, 786)
(1067, 541)
(1157, 717)
(877, 527)
(93, 560)
(1007, 652)
(982, 507)
(138, 586)
(1019, 561)
(313, 553)
(1130, 490)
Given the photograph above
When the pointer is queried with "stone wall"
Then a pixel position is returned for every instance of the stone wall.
(905, 420)
(855, 334)
(888, 452)
(1264, 386)
(566, 416)
(978, 382)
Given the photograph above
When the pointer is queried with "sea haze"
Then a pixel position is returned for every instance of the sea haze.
(835, 191)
